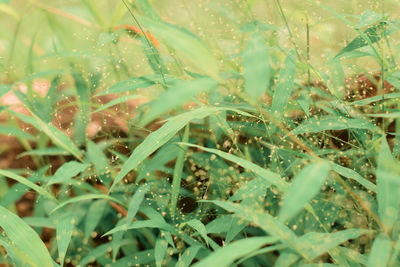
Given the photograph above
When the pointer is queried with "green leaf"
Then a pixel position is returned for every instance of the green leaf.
(269, 176)
(178, 170)
(190, 49)
(187, 256)
(16, 132)
(350, 174)
(67, 171)
(57, 136)
(306, 185)
(225, 256)
(374, 34)
(28, 183)
(380, 251)
(96, 156)
(135, 202)
(266, 222)
(168, 100)
(256, 66)
(316, 125)
(316, 244)
(64, 228)
(158, 138)
(159, 251)
(25, 238)
(199, 227)
(48, 151)
(388, 186)
(284, 87)
(85, 197)
(116, 101)
(133, 84)
(93, 217)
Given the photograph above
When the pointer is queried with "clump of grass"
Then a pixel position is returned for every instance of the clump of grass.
(221, 143)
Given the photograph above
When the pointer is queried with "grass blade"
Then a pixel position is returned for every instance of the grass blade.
(306, 185)
(380, 252)
(19, 233)
(256, 66)
(388, 185)
(64, 229)
(178, 169)
(227, 255)
(135, 202)
(315, 125)
(284, 87)
(28, 183)
(158, 138)
(168, 100)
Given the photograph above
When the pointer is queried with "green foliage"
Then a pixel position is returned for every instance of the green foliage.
(204, 133)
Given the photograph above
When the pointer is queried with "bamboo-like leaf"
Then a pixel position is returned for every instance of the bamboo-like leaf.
(306, 185)
(380, 252)
(64, 228)
(227, 255)
(162, 136)
(168, 100)
(67, 171)
(284, 87)
(256, 66)
(315, 125)
(388, 185)
(135, 202)
(25, 238)
(26, 182)
(190, 49)
(269, 176)
(160, 249)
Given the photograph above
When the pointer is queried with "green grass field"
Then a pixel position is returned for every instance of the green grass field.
(199, 133)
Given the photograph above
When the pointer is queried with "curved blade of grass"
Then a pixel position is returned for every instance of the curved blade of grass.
(160, 249)
(96, 156)
(64, 228)
(25, 238)
(158, 138)
(380, 252)
(374, 34)
(199, 227)
(67, 171)
(256, 66)
(135, 202)
(350, 174)
(86, 197)
(93, 217)
(134, 83)
(18, 257)
(168, 100)
(57, 136)
(266, 222)
(116, 101)
(189, 48)
(316, 244)
(284, 87)
(306, 185)
(49, 151)
(28, 183)
(269, 176)
(388, 186)
(227, 255)
(187, 256)
(315, 125)
(178, 169)
(16, 132)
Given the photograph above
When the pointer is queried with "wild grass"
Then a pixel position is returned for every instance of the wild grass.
(204, 133)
